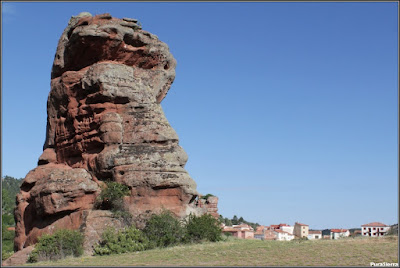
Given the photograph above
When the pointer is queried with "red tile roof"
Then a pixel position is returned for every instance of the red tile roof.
(314, 232)
(260, 228)
(229, 229)
(338, 230)
(301, 224)
(374, 224)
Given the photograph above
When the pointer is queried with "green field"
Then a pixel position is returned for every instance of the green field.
(235, 252)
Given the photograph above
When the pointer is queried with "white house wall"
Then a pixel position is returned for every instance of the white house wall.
(373, 232)
(288, 229)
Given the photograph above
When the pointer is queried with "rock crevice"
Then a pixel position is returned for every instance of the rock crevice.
(105, 122)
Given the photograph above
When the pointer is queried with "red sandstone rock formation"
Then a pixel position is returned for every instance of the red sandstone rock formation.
(210, 205)
(105, 122)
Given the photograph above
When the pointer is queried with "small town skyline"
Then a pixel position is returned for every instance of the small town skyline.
(286, 232)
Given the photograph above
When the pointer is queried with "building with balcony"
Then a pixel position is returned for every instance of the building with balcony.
(374, 229)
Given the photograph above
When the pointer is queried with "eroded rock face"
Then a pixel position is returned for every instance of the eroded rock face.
(105, 122)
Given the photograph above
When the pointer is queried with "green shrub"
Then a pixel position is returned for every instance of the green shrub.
(5, 254)
(7, 243)
(6, 234)
(7, 220)
(164, 230)
(111, 196)
(59, 245)
(123, 215)
(122, 241)
(203, 228)
(7, 238)
(206, 196)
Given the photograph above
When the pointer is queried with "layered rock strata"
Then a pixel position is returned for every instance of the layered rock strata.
(210, 205)
(105, 123)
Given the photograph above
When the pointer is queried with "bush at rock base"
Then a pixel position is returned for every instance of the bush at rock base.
(122, 241)
(161, 230)
(7, 239)
(164, 230)
(202, 228)
(111, 196)
(123, 215)
(59, 245)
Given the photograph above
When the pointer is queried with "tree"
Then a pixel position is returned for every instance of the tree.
(235, 220)
(9, 189)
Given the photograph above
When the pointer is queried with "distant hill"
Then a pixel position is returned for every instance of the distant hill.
(235, 220)
(9, 189)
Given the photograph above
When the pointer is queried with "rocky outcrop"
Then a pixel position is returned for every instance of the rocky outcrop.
(96, 222)
(19, 258)
(105, 122)
(210, 205)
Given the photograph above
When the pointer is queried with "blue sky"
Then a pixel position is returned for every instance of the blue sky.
(288, 111)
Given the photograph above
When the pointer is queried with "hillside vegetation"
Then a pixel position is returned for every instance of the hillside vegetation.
(235, 252)
(9, 189)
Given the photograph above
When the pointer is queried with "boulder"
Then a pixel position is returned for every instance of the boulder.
(105, 123)
(18, 258)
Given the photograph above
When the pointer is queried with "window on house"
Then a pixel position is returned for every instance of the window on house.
(374, 228)
(381, 229)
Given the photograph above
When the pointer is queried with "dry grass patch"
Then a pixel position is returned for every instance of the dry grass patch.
(344, 252)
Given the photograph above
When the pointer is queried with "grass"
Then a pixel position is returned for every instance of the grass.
(235, 252)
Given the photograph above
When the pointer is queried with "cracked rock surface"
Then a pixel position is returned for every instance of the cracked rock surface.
(105, 123)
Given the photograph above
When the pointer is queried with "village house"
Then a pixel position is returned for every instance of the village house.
(339, 233)
(374, 229)
(275, 226)
(281, 226)
(259, 234)
(264, 233)
(287, 228)
(300, 230)
(242, 231)
(312, 234)
(282, 235)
